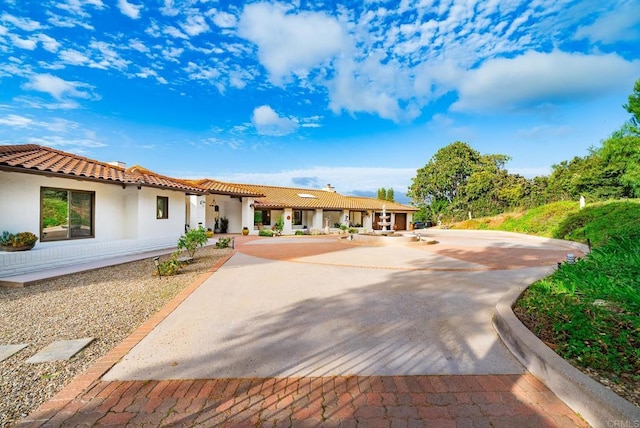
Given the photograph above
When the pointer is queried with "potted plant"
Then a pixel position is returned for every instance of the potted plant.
(245, 231)
(224, 224)
(17, 242)
(279, 226)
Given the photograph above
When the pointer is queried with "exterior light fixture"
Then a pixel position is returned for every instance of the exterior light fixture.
(571, 258)
(156, 262)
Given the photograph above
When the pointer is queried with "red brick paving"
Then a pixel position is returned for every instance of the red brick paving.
(370, 401)
(326, 401)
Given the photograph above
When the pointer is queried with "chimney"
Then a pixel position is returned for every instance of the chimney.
(329, 188)
(118, 164)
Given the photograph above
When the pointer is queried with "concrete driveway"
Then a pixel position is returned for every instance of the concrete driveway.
(318, 306)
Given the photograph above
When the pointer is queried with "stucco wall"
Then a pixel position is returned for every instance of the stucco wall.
(119, 213)
(149, 225)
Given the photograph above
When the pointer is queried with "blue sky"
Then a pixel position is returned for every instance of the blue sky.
(357, 94)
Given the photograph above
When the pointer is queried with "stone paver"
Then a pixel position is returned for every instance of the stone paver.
(60, 350)
(513, 399)
(8, 350)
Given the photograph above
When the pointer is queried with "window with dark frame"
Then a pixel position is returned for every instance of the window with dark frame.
(297, 217)
(66, 214)
(162, 207)
(262, 217)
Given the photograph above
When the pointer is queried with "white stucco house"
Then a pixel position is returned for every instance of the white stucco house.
(83, 209)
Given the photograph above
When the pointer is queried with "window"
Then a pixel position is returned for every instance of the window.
(297, 217)
(162, 207)
(262, 217)
(66, 214)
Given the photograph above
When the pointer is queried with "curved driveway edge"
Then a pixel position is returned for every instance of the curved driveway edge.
(598, 405)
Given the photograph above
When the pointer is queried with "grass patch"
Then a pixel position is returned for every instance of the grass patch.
(590, 311)
(600, 222)
(542, 221)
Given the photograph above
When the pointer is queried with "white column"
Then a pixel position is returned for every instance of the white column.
(247, 214)
(345, 217)
(288, 222)
(367, 221)
(317, 220)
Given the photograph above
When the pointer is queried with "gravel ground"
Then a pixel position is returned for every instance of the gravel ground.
(107, 304)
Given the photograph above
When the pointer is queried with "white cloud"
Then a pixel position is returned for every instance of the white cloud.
(15, 121)
(77, 145)
(290, 43)
(74, 57)
(168, 9)
(138, 45)
(109, 58)
(27, 44)
(534, 79)
(268, 122)
(57, 87)
(224, 19)
(174, 32)
(620, 24)
(194, 25)
(76, 7)
(25, 24)
(67, 21)
(49, 43)
(128, 9)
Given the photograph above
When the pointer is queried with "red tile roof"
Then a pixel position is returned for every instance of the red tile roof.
(32, 158)
(222, 188)
(298, 198)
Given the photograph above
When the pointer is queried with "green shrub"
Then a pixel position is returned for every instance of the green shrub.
(299, 232)
(265, 232)
(192, 240)
(279, 225)
(169, 267)
(223, 242)
(352, 230)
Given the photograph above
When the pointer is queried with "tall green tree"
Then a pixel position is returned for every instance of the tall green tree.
(441, 179)
(386, 194)
(391, 197)
(458, 179)
(633, 106)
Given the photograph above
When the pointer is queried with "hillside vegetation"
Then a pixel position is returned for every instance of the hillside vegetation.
(565, 220)
(588, 312)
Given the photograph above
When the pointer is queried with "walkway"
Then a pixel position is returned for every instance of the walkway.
(310, 331)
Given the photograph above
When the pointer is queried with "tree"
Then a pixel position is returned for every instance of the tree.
(386, 194)
(390, 195)
(458, 179)
(445, 173)
(621, 155)
(633, 106)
